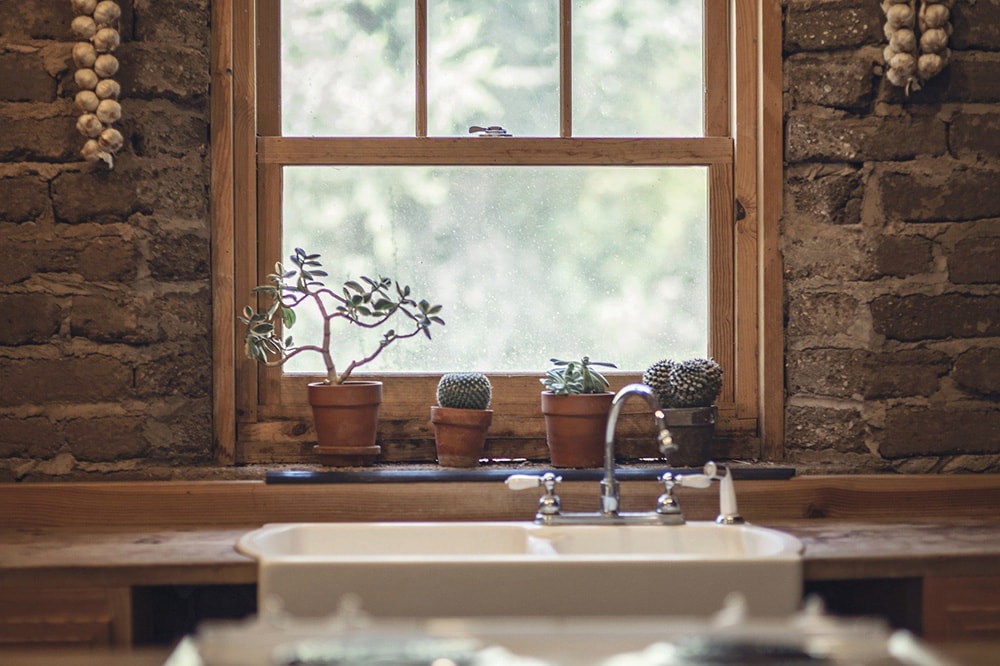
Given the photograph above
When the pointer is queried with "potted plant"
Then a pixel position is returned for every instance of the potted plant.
(687, 391)
(576, 403)
(461, 418)
(345, 412)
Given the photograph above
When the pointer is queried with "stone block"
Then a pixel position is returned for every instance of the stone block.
(111, 317)
(837, 80)
(922, 317)
(923, 431)
(905, 373)
(96, 195)
(821, 135)
(25, 79)
(50, 139)
(975, 135)
(825, 429)
(826, 193)
(28, 318)
(825, 314)
(900, 256)
(826, 372)
(977, 372)
(948, 193)
(107, 259)
(161, 127)
(106, 439)
(23, 198)
(165, 70)
(976, 26)
(31, 437)
(971, 78)
(82, 379)
(975, 260)
(831, 24)
(183, 256)
(184, 371)
(179, 21)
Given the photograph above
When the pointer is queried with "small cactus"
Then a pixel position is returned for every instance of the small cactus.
(693, 383)
(464, 390)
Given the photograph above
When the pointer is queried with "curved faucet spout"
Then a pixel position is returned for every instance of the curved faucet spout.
(609, 484)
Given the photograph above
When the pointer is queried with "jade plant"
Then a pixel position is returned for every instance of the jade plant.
(693, 383)
(367, 302)
(576, 377)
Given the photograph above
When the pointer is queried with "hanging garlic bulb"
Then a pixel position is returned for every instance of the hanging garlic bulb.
(84, 27)
(84, 6)
(96, 25)
(87, 101)
(106, 65)
(89, 125)
(935, 29)
(109, 111)
(108, 89)
(84, 54)
(106, 40)
(106, 12)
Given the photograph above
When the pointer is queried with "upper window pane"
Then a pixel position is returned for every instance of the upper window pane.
(347, 68)
(637, 68)
(493, 63)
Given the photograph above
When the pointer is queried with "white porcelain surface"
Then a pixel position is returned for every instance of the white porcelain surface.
(518, 568)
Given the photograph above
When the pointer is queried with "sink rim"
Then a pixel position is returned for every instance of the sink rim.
(784, 547)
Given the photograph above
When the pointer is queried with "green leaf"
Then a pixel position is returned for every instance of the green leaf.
(263, 329)
(351, 284)
(288, 317)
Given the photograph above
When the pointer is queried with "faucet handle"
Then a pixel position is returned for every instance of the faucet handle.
(548, 504)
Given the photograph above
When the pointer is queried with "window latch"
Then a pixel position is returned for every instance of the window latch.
(492, 130)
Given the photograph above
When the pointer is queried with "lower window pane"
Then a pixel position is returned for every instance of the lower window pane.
(529, 263)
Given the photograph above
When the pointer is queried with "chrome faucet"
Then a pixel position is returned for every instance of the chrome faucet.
(609, 484)
(549, 507)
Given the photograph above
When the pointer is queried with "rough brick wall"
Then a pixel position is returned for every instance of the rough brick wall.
(890, 238)
(105, 294)
(891, 242)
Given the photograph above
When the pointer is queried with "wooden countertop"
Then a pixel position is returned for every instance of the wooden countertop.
(153, 533)
(119, 557)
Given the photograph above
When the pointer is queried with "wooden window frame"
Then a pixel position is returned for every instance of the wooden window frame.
(261, 415)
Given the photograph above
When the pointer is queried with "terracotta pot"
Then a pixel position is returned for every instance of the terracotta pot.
(575, 426)
(460, 435)
(692, 429)
(346, 418)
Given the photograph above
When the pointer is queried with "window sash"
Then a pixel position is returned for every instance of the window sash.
(270, 408)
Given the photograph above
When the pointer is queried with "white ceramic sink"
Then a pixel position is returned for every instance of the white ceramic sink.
(519, 568)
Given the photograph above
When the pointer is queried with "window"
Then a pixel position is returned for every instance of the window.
(296, 146)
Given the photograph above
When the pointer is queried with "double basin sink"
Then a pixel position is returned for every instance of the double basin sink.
(477, 569)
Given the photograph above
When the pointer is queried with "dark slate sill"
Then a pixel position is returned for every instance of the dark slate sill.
(497, 473)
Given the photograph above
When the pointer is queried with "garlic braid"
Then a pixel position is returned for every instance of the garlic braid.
(912, 60)
(95, 25)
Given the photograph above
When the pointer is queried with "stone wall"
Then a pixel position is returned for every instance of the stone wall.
(105, 294)
(890, 237)
(891, 242)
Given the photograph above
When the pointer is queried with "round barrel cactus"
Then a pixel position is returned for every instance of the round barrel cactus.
(693, 383)
(464, 390)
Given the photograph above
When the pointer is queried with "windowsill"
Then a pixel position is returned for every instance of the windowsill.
(498, 472)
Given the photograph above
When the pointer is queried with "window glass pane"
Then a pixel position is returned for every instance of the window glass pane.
(637, 68)
(529, 263)
(493, 63)
(347, 68)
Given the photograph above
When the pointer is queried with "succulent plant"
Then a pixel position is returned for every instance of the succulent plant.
(367, 302)
(464, 390)
(575, 377)
(693, 383)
